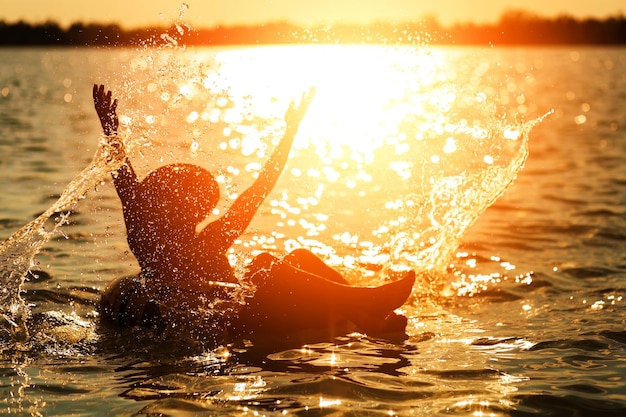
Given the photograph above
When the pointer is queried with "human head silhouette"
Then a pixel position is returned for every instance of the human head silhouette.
(182, 194)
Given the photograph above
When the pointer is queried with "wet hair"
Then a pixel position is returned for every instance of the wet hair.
(181, 192)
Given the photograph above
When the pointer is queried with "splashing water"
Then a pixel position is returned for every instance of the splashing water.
(18, 251)
(459, 188)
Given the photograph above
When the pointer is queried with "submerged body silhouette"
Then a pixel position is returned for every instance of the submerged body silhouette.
(185, 273)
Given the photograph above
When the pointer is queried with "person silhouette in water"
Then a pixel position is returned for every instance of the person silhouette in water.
(185, 271)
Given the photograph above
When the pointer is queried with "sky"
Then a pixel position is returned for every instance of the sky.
(208, 13)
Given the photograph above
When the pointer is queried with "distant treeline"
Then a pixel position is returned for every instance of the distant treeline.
(513, 28)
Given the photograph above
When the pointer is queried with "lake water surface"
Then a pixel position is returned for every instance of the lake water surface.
(518, 310)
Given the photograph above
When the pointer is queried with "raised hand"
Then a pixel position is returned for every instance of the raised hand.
(295, 113)
(106, 110)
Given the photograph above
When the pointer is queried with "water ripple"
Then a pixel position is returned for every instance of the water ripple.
(589, 272)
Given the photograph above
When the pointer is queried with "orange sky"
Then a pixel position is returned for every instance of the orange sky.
(203, 13)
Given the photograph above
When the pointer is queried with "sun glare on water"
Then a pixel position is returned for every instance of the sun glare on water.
(361, 90)
(401, 149)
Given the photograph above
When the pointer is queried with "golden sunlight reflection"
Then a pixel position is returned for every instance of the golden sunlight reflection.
(401, 150)
(249, 387)
(469, 281)
(361, 92)
(326, 402)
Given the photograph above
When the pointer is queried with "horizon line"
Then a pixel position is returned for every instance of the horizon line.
(429, 18)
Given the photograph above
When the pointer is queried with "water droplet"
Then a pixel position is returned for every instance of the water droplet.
(450, 146)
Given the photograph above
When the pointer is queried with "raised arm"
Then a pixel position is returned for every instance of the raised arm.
(230, 226)
(125, 179)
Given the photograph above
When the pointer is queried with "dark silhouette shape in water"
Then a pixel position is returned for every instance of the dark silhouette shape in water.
(186, 277)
